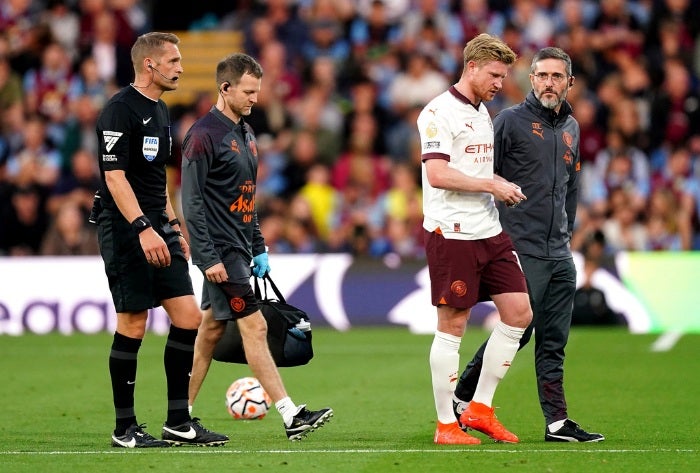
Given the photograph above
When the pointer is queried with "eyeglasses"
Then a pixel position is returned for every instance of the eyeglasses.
(557, 77)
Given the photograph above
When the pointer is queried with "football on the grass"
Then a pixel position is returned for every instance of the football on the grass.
(247, 399)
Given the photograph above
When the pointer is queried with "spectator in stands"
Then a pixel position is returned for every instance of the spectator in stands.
(358, 163)
(372, 32)
(675, 115)
(36, 162)
(69, 233)
(592, 133)
(417, 84)
(536, 26)
(476, 17)
(322, 199)
(112, 57)
(79, 129)
(668, 227)
(78, 184)
(64, 24)
(624, 230)
(11, 94)
(24, 223)
(48, 87)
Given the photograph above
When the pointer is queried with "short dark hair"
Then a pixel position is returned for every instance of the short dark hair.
(551, 53)
(233, 67)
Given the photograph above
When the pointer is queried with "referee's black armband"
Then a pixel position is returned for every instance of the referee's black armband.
(174, 222)
(140, 224)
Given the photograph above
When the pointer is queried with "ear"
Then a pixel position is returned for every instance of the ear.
(571, 81)
(225, 86)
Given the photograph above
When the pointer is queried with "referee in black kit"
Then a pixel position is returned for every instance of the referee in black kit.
(144, 252)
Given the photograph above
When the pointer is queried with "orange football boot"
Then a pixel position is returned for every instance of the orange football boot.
(482, 418)
(451, 434)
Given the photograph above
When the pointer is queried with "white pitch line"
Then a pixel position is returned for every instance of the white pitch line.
(666, 341)
(347, 451)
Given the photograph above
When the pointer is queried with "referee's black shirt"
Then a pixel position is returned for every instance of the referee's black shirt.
(133, 134)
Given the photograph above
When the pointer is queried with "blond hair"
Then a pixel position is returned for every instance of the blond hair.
(149, 44)
(486, 48)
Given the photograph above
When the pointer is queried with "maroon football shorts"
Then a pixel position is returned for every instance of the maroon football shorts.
(464, 272)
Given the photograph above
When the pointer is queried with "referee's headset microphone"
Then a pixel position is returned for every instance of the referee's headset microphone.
(154, 68)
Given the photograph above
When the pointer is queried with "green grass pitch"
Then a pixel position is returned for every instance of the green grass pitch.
(57, 411)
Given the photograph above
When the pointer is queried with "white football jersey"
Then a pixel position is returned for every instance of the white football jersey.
(451, 128)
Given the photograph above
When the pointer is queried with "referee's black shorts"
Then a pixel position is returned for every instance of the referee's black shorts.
(136, 285)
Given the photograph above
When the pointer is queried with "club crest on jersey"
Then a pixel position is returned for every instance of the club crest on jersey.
(234, 146)
(253, 148)
(150, 147)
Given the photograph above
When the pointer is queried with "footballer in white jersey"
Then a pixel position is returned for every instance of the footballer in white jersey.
(454, 129)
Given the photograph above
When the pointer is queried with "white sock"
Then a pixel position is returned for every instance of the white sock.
(499, 353)
(444, 368)
(556, 425)
(287, 409)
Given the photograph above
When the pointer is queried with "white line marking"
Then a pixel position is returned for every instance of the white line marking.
(666, 341)
(215, 451)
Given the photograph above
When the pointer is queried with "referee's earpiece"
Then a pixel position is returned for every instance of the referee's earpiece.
(225, 86)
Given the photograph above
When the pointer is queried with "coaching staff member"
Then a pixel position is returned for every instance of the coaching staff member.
(537, 147)
(144, 253)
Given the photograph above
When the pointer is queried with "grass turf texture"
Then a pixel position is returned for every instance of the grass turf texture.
(58, 413)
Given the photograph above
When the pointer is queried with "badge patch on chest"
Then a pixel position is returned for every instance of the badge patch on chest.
(150, 147)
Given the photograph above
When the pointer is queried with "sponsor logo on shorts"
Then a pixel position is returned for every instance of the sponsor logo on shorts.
(237, 304)
(459, 288)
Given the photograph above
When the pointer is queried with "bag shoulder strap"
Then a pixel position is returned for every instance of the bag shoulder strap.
(267, 279)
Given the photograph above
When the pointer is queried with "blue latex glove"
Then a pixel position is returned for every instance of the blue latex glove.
(261, 265)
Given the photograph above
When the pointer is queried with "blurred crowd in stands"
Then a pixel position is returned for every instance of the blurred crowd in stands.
(344, 81)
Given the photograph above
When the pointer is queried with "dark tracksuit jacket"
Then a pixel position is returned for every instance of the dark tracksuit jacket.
(220, 166)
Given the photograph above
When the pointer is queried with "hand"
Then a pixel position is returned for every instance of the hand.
(155, 249)
(216, 273)
(185, 246)
(261, 266)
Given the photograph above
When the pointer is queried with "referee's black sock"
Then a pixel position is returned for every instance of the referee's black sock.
(122, 370)
(177, 358)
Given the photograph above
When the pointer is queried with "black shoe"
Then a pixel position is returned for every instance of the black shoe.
(458, 407)
(306, 421)
(136, 437)
(192, 433)
(571, 432)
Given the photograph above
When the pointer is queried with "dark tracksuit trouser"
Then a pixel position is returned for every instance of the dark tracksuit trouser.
(551, 285)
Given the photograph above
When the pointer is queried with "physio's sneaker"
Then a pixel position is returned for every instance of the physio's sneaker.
(451, 434)
(458, 407)
(136, 437)
(306, 421)
(192, 433)
(481, 417)
(571, 432)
